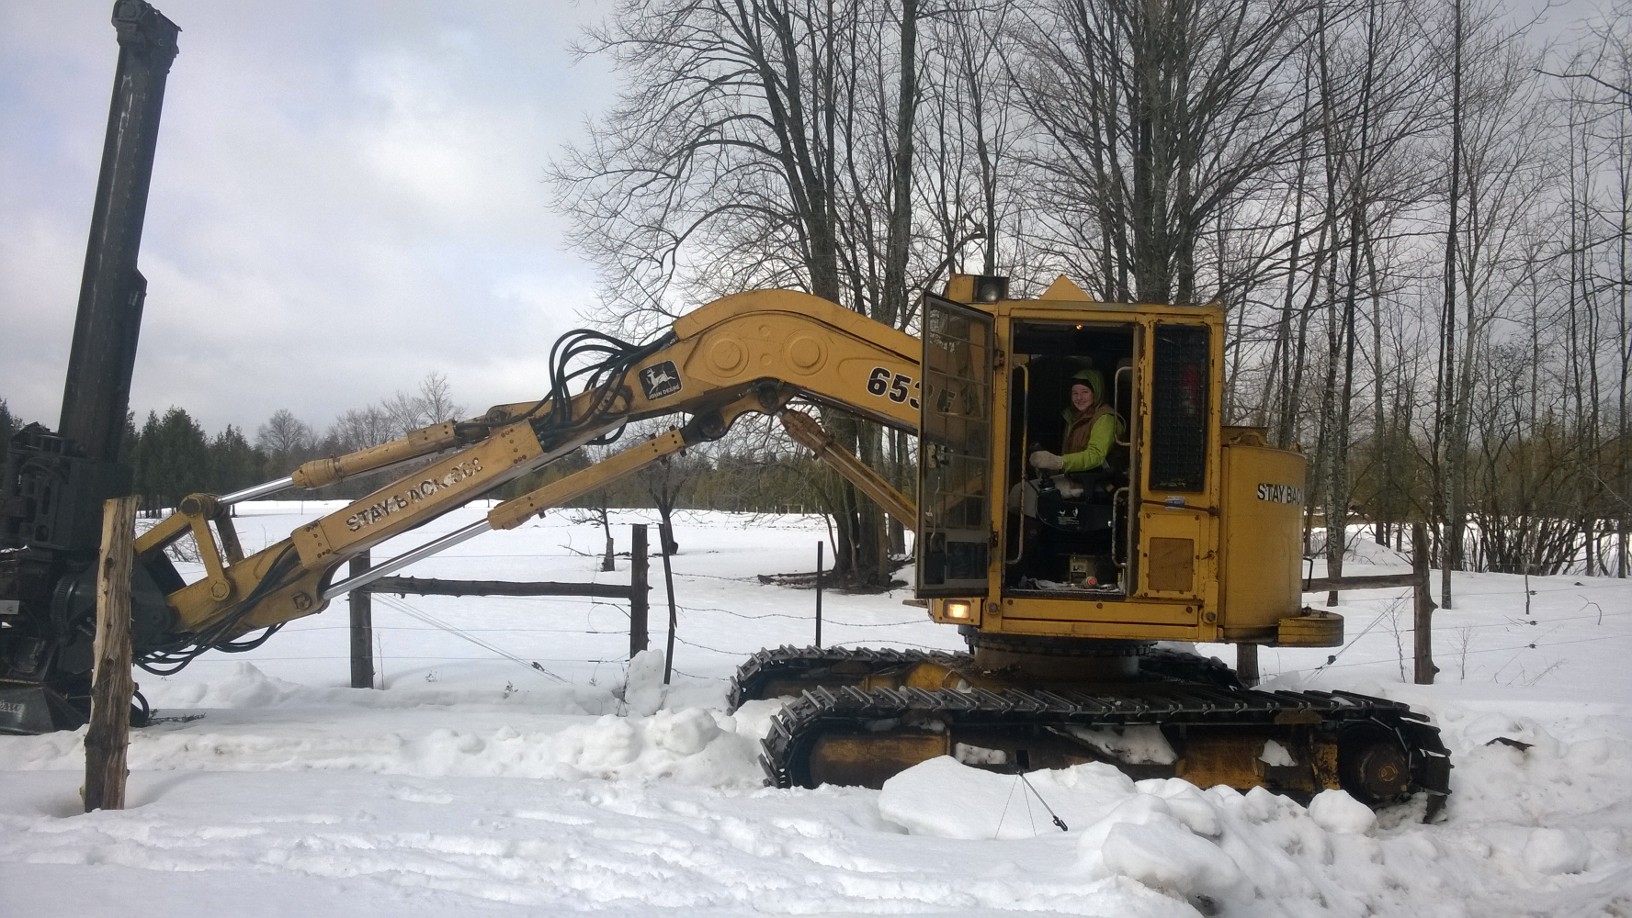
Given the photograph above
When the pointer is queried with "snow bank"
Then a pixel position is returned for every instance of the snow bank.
(1247, 854)
(474, 783)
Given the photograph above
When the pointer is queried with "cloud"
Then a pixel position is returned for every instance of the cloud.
(346, 197)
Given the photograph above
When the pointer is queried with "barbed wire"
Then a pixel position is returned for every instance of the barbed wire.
(1529, 622)
(622, 609)
(335, 657)
(1463, 594)
(410, 628)
(1446, 629)
(1534, 645)
(403, 607)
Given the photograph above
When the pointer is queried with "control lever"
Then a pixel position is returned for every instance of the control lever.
(1045, 481)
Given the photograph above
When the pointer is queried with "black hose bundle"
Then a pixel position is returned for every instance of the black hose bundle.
(171, 659)
(596, 363)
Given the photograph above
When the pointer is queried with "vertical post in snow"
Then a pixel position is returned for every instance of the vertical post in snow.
(818, 594)
(665, 536)
(638, 589)
(1246, 664)
(1423, 617)
(108, 737)
(361, 602)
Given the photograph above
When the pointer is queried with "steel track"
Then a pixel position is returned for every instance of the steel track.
(1181, 692)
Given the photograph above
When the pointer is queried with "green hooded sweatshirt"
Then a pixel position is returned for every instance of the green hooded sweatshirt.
(1090, 436)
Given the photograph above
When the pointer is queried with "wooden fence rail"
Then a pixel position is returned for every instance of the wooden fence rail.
(636, 594)
(1422, 617)
(1246, 655)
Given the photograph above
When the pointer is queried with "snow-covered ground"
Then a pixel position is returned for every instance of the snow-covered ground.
(473, 783)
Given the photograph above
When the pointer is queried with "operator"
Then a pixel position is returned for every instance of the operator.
(1092, 428)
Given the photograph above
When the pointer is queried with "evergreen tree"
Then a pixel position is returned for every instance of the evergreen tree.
(171, 459)
(233, 463)
(8, 426)
(127, 443)
(142, 462)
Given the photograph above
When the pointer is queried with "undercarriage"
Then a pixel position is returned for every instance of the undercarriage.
(858, 717)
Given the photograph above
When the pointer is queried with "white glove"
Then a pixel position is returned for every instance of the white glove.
(1047, 461)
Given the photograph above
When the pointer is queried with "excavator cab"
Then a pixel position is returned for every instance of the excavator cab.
(1003, 380)
(1189, 532)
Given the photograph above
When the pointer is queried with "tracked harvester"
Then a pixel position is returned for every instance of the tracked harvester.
(1190, 533)
(1064, 586)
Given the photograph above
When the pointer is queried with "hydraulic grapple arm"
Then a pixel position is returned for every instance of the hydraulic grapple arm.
(748, 353)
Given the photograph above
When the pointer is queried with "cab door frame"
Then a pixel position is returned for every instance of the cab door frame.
(956, 544)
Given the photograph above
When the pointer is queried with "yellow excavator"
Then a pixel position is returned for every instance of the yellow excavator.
(1065, 586)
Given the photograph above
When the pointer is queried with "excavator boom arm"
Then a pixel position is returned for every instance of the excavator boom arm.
(752, 352)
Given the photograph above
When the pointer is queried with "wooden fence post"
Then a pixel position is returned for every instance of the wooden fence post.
(1423, 617)
(108, 737)
(637, 594)
(1246, 664)
(362, 627)
(638, 589)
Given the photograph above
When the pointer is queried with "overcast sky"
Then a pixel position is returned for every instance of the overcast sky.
(347, 196)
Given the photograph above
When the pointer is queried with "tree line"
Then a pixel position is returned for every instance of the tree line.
(1418, 216)
(170, 455)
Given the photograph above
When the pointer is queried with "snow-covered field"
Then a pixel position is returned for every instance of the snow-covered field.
(473, 783)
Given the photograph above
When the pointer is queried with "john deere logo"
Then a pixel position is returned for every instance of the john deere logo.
(660, 380)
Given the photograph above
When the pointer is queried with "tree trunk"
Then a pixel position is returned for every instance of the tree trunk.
(1449, 412)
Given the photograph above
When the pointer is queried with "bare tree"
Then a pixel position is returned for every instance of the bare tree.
(1158, 117)
(716, 170)
(360, 428)
(1596, 83)
(1373, 105)
(756, 143)
(432, 404)
(667, 483)
(1495, 174)
(968, 129)
(285, 439)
